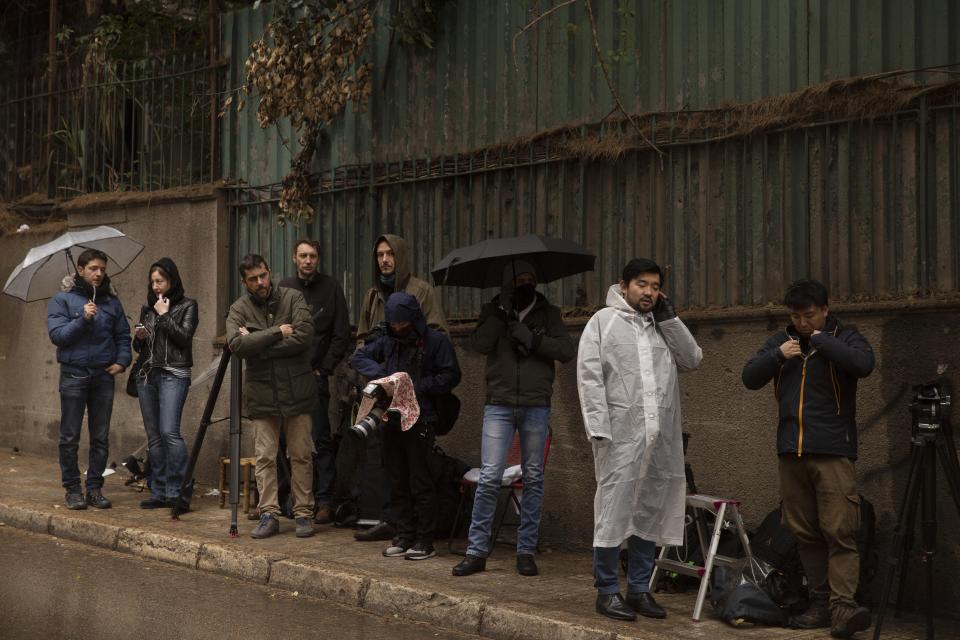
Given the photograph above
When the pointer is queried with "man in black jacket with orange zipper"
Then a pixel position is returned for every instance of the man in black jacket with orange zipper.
(815, 365)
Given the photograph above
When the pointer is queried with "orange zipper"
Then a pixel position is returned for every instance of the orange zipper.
(803, 379)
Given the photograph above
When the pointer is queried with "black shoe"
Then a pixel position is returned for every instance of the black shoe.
(614, 607)
(154, 503)
(380, 531)
(420, 551)
(470, 565)
(645, 605)
(96, 499)
(526, 566)
(75, 501)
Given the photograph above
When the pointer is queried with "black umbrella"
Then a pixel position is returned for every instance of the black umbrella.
(481, 265)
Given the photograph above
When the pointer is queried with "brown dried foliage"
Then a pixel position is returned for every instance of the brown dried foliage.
(307, 69)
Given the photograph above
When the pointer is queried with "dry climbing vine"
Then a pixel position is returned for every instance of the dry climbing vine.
(307, 66)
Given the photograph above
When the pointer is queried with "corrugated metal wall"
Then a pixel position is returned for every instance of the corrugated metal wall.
(672, 55)
(872, 208)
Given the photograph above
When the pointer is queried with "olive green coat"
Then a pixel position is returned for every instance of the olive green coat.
(278, 379)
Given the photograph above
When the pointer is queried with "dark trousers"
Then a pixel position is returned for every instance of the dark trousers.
(413, 495)
(325, 453)
(91, 391)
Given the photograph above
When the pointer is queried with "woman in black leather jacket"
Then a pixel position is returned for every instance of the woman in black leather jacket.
(164, 340)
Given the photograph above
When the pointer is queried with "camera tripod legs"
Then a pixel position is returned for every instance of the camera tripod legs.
(921, 492)
(236, 373)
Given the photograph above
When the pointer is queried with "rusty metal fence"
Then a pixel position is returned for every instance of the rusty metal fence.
(138, 125)
(871, 207)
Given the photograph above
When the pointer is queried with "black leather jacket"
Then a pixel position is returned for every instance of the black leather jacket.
(170, 342)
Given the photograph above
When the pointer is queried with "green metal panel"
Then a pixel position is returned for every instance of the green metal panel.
(872, 208)
(469, 92)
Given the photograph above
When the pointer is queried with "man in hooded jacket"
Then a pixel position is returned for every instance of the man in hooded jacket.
(87, 324)
(629, 356)
(391, 268)
(522, 336)
(815, 365)
(427, 355)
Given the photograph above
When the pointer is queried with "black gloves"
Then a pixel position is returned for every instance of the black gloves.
(521, 334)
(663, 310)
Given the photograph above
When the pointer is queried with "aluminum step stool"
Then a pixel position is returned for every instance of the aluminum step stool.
(722, 509)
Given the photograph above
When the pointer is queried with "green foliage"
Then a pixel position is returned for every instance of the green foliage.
(417, 22)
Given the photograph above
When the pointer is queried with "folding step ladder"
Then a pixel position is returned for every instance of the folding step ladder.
(727, 516)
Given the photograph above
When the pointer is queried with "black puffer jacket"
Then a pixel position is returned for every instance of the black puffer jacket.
(170, 339)
(817, 393)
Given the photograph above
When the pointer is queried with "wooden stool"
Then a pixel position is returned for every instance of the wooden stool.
(247, 470)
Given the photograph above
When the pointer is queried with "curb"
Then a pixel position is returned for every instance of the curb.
(374, 595)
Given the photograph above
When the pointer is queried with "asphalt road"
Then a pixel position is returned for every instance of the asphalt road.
(58, 589)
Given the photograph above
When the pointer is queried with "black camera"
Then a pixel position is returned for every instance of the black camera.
(372, 422)
(930, 407)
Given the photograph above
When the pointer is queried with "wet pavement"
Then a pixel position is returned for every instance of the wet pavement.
(498, 603)
(59, 589)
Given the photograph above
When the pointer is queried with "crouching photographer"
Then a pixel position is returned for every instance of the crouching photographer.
(427, 356)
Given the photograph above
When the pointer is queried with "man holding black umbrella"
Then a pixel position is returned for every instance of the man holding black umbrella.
(522, 335)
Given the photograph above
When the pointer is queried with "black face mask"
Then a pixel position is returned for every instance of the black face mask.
(524, 295)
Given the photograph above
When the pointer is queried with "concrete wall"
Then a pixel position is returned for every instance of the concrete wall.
(732, 449)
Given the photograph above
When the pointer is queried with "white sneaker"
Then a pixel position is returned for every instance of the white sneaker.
(396, 548)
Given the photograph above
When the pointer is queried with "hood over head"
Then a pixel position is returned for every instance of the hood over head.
(176, 285)
(403, 307)
(401, 254)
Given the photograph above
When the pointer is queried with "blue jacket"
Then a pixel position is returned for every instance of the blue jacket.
(438, 370)
(95, 344)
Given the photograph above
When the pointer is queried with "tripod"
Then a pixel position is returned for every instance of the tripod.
(236, 373)
(932, 438)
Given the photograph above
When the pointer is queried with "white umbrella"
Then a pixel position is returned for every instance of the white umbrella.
(41, 272)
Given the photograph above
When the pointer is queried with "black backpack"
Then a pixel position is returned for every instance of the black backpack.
(447, 407)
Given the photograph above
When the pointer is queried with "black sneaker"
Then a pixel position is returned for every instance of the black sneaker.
(380, 531)
(75, 501)
(420, 551)
(269, 526)
(154, 503)
(96, 499)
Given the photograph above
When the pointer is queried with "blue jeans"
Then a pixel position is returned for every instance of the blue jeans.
(606, 567)
(91, 391)
(499, 423)
(162, 396)
(325, 453)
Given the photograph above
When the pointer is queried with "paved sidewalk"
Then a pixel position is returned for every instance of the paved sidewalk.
(557, 605)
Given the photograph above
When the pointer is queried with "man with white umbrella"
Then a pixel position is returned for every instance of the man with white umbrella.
(629, 356)
(87, 324)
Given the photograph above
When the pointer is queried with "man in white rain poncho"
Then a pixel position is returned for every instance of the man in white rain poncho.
(629, 356)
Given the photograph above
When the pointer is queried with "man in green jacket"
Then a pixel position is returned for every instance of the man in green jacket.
(522, 336)
(272, 330)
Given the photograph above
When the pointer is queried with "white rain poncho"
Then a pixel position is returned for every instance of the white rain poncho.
(629, 394)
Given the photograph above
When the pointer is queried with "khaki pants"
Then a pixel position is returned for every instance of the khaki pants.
(300, 452)
(821, 507)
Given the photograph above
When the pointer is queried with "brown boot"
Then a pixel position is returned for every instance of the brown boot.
(817, 615)
(323, 514)
(846, 620)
